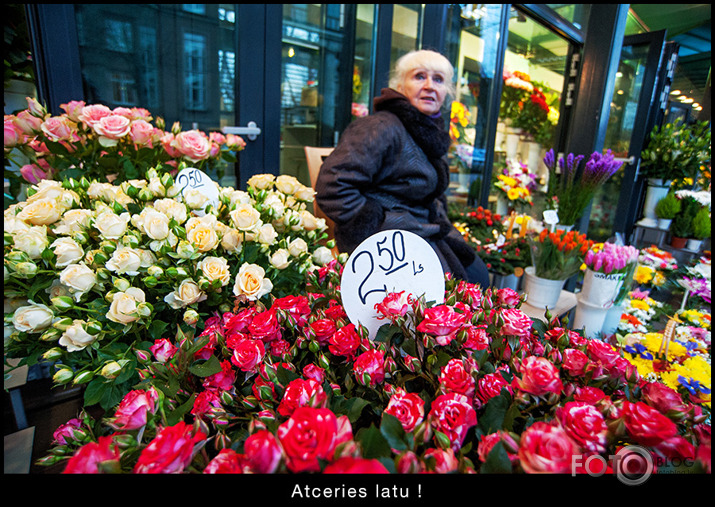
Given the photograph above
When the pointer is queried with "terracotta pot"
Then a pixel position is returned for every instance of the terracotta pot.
(677, 242)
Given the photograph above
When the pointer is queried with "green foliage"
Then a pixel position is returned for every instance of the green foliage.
(682, 225)
(677, 151)
(701, 224)
(668, 206)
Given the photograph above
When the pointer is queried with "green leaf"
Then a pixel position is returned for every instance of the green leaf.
(157, 329)
(355, 408)
(206, 368)
(391, 428)
(493, 418)
(177, 415)
(497, 462)
(373, 444)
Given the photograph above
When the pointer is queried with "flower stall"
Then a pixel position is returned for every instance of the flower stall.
(211, 335)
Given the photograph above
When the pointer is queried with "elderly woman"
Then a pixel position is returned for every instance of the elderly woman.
(389, 169)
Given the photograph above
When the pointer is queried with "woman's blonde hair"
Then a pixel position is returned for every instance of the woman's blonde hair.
(422, 59)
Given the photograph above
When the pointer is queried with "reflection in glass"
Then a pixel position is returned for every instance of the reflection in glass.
(406, 30)
(362, 69)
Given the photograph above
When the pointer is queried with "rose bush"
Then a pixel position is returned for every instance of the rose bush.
(99, 273)
(469, 385)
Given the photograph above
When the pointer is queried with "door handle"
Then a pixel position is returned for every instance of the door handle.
(251, 131)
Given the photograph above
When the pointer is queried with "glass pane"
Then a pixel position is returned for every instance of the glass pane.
(406, 29)
(176, 60)
(362, 69)
(627, 91)
(312, 77)
(534, 70)
(577, 14)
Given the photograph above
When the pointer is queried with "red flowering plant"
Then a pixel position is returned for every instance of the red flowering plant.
(471, 384)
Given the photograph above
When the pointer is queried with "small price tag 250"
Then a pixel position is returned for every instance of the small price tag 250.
(194, 179)
(389, 261)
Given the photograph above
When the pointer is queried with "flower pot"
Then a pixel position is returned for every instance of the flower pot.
(540, 292)
(533, 157)
(600, 289)
(694, 244)
(512, 144)
(664, 223)
(505, 281)
(589, 317)
(613, 319)
(502, 207)
(501, 133)
(678, 243)
(657, 189)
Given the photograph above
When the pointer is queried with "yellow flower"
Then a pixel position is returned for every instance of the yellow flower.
(460, 113)
(639, 304)
(643, 274)
(507, 180)
(513, 194)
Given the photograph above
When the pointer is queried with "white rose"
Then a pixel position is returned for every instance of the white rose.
(153, 223)
(195, 199)
(261, 181)
(293, 219)
(146, 257)
(203, 237)
(246, 218)
(297, 247)
(73, 220)
(42, 212)
(46, 189)
(111, 225)
(32, 242)
(322, 255)
(305, 194)
(215, 268)
(287, 184)
(79, 278)
(156, 188)
(76, 338)
(310, 223)
(125, 260)
(124, 307)
(13, 225)
(33, 318)
(280, 258)
(251, 282)
(187, 293)
(239, 197)
(275, 203)
(267, 235)
(67, 250)
(172, 209)
(232, 241)
(104, 191)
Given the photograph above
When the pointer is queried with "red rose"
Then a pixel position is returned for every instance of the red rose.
(263, 452)
(350, 465)
(222, 380)
(170, 451)
(239, 323)
(163, 350)
(516, 322)
(322, 330)
(453, 415)
(470, 293)
(227, 461)
(454, 377)
(664, 399)
(476, 338)
(546, 448)
(335, 312)
(646, 425)
(94, 457)
(490, 385)
(345, 341)
(265, 326)
(584, 424)
(302, 393)
(394, 305)
(371, 363)
(133, 410)
(589, 394)
(602, 352)
(314, 372)
(538, 377)
(676, 447)
(487, 443)
(296, 308)
(445, 460)
(409, 409)
(308, 437)
(508, 297)
(575, 362)
(442, 322)
(207, 403)
(248, 354)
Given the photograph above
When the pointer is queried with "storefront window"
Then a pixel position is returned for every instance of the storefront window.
(406, 30)
(362, 68)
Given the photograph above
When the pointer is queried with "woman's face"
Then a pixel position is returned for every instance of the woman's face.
(425, 89)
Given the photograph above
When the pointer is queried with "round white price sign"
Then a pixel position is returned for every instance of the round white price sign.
(192, 179)
(389, 261)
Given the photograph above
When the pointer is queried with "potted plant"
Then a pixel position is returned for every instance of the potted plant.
(701, 229)
(682, 226)
(666, 209)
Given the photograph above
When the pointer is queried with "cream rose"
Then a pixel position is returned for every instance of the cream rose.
(287, 184)
(305, 194)
(215, 268)
(246, 218)
(67, 250)
(73, 220)
(203, 237)
(232, 240)
(75, 337)
(239, 197)
(32, 241)
(13, 225)
(172, 209)
(104, 191)
(33, 318)
(153, 223)
(79, 278)
(261, 181)
(280, 259)
(195, 199)
(251, 282)
(125, 306)
(42, 212)
(297, 247)
(125, 260)
(267, 235)
(310, 223)
(187, 293)
(322, 255)
(111, 225)
(275, 203)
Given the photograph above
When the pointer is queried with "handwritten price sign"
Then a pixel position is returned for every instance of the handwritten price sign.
(193, 179)
(389, 261)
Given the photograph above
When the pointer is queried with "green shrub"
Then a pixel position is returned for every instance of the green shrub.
(668, 206)
(682, 225)
(701, 224)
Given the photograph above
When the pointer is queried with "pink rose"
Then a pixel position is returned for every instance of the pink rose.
(590, 395)
(66, 430)
(370, 364)
(646, 425)
(13, 135)
(408, 408)
(393, 306)
(445, 460)
(487, 443)
(476, 337)
(27, 123)
(490, 385)
(171, 451)
(143, 133)
(263, 452)
(470, 293)
(302, 393)
(508, 297)
(584, 424)
(32, 173)
(351, 465)
(538, 377)
(454, 377)
(322, 330)
(248, 354)
(167, 140)
(91, 114)
(94, 457)
(58, 128)
(546, 448)
(193, 145)
(223, 380)
(265, 326)
(207, 404)
(516, 322)
(295, 307)
(307, 437)
(664, 399)
(453, 415)
(73, 108)
(575, 362)
(227, 461)
(132, 412)
(112, 127)
(602, 352)
(345, 341)
(163, 350)
(442, 322)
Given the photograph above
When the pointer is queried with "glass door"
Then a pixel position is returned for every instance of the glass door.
(633, 109)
